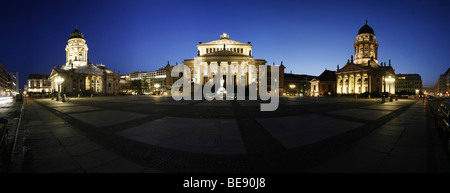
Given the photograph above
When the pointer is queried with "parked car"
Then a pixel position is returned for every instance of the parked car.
(3, 136)
(18, 97)
(444, 120)
(431, 98)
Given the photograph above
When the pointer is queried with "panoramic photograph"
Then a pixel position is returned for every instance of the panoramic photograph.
(239, 89)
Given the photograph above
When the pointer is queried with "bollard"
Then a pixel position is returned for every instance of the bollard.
(383, 100)
(64, 98)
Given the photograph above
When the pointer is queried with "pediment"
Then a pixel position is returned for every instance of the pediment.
(351, 67)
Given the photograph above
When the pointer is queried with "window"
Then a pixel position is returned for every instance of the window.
(109, 85)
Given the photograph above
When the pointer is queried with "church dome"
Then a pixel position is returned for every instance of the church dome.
(76, 34)
(366, 29)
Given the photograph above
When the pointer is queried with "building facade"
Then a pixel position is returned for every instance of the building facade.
(297, 84)
(153, 82)
(225, 52)
(14, 83)
(38, 83)
(408, 84)
(364, 74)
(78, 76)
(325, 84)
(3, 81)
(442, 86)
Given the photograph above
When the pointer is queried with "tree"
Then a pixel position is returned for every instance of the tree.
(139, 86)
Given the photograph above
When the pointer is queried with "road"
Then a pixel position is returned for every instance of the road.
(10, 110)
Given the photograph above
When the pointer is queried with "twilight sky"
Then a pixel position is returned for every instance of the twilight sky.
(308, 36)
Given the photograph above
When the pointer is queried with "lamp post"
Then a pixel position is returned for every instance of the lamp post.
(59, 81)
(292, 86)
(156, 86)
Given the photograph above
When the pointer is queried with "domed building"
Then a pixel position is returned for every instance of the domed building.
(365, 73)
(78, 75)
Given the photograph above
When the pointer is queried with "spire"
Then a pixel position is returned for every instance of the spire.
(54, 64)
(366, 21)
(389, 62)
(76, 26)
(352, 58)
(338, 67)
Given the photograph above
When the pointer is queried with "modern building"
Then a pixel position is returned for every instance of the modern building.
(155, 81)
(325, 84)
(78, 75)
(442, 86)
(297, 84)
(14, 83)
(365, 74)
(408, 84)
(225, 52)
(38, 84)
(4, 77)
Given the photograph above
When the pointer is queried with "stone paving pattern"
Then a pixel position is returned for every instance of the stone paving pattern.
(157, 134)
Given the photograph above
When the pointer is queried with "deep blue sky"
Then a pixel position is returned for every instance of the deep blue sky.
(308, 36)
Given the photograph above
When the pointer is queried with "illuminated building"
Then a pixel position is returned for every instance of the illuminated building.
(225, 52)
(155, 81)
(442, 86)
(4, 90)
(364, 74)
(408, 83)
(325, 84)
(296, 84)
(38, 83)
(78, 75)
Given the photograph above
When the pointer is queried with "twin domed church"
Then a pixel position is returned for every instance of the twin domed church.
(78, 75)
(361, 74)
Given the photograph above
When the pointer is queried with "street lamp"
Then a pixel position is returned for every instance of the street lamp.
(292, 86)
(59, 81)
(157, 86)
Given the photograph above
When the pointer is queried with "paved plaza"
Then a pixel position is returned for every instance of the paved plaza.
(158, 134)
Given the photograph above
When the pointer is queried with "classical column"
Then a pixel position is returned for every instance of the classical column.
(369, 84)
